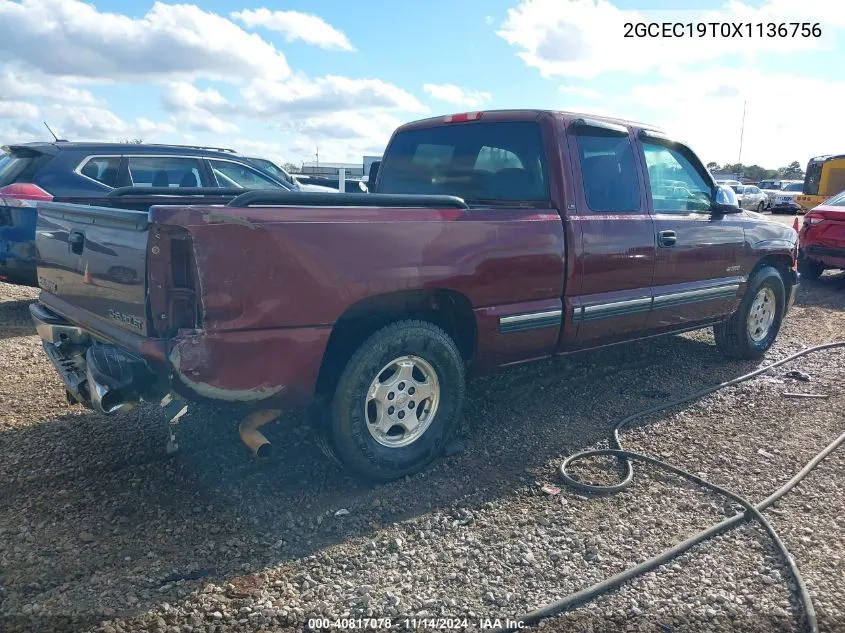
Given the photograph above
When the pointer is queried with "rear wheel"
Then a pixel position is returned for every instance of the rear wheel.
(397, 402)
(810, 270)
(761, 207)
(750, 331)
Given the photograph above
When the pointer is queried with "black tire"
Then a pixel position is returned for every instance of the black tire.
(761, 206)
(346, 430)
(732, 336)
(810, 270)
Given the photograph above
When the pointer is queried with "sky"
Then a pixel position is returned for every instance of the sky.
(290, 78)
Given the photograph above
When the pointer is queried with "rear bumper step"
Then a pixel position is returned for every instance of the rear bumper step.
(101, 376)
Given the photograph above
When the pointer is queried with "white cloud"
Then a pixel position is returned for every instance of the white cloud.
(71, 38)
(578, 91)
(586, 38)
(94, 123)
(776, 130)
(194, 108)
(17, 85)
(301, 96)
(18, 110)
(295, 25)
(457, 95)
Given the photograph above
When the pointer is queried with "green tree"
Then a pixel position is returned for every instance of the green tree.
(792, 171)
(713, 166)
(290, 168)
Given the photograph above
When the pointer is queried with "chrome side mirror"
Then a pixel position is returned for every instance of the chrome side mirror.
(725, 201)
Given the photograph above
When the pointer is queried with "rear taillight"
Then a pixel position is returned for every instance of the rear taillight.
(13, 194)
(171, 268)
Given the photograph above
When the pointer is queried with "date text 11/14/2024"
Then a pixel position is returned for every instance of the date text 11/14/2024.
(413, 624)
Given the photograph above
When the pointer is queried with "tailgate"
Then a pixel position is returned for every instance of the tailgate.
(94, 258)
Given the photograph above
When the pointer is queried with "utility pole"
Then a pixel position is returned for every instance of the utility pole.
(318, 156)
(741, 133)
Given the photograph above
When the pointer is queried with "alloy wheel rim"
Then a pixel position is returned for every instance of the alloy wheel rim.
(402, 401)
(762, 314)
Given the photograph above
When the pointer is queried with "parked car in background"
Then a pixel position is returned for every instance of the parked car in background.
(280, 172)
(81, 172)
(772, 187)
(490, 239)
(784, 200)
(822, 238)
(750, 197)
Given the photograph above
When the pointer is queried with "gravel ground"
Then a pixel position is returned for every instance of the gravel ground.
(101, 530)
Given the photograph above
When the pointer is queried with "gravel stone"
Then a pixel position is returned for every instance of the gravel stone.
(99, 525)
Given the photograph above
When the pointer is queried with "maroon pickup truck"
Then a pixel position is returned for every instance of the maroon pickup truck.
(494, 238)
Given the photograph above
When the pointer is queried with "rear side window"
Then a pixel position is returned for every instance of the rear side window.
(501, 161)
(608, 171)
(13, 167)
(165, 171)
(103, 169)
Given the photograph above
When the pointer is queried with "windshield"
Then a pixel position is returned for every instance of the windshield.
(496, 161)
(272, 168)
(738, 188)
(795, 186)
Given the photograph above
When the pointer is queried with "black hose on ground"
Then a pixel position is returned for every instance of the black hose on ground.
(751, 511)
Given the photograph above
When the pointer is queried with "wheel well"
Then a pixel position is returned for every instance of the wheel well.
(447, 309)
(780, 262)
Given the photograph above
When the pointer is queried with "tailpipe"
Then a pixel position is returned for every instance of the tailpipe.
(110, 374)
(108, 401)
(252, 437)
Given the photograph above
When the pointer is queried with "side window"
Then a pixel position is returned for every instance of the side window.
(103, 169)
(237, 175)
(676, 185)
(608, 171)
(164, 171)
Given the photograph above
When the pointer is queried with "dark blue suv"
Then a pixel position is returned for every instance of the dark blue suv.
(85, 172)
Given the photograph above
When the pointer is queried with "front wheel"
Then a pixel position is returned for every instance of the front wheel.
(761, 207)
(397, 402)
(750, 331)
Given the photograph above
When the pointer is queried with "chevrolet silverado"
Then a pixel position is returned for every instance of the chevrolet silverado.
(494, 238)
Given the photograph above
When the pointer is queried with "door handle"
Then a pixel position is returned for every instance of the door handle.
(76, 242)
(667, 238)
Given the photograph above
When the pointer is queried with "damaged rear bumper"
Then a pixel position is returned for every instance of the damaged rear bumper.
(263, 369)
(97, 374)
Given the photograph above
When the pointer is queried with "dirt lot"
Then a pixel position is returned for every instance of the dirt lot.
(101, 530)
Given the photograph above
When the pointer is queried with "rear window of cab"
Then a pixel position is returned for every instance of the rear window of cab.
(479, 161)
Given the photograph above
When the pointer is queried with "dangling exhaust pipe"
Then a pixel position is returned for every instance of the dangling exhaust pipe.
(106, 400)
(111, 374)
(252, 437)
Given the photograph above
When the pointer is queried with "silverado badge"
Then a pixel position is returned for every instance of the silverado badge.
(128, 319)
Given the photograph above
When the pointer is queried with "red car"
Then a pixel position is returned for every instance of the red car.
(822, 238)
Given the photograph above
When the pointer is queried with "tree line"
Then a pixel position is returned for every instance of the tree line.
(792, 171)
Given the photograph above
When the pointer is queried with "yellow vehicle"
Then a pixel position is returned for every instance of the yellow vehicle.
(825, 177)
